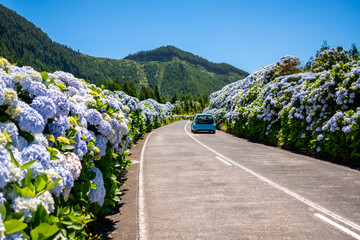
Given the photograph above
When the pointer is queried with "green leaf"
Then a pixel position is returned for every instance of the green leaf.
(116, 199)
(77, 226)
(71, 133)
(3, 211)
(27, 164)
(93, 186)
(14, 225)
(67, 147)
(28, 136)
(53, 184)
(25, 192)
(4, 117)
(44, 76)
(17, 215)
(40, 182)
(39, 216)
(13, 160)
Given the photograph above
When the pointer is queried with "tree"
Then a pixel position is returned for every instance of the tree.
(353, 52)
(126, 88)
(174, 98)
(132, 89)
(157, 93)
(324, 46)
(308, 64)
(146, 92)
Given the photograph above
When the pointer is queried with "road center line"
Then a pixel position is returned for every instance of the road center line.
(229, 164)
(342, 228)
(141, 213)
(285, 190)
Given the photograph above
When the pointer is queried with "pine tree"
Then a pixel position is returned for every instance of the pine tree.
(174, 98)
(125, 88)
(324, 46)
(157, 93)
(353, 52)
(132, 89)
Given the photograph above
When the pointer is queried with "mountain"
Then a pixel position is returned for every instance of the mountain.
(171, 69)
(168, 53)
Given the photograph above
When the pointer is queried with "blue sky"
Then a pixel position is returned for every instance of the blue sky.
(245, 34)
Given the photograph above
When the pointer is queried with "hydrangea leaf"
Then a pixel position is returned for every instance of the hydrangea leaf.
(14, 225)
(27, 164)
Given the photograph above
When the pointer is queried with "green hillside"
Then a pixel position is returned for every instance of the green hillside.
(171, 69)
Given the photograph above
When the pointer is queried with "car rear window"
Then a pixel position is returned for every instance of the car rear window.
(204, 119)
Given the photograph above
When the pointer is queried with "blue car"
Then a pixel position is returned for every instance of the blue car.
(203, 122)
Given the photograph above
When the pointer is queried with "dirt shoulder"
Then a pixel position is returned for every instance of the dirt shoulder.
(122, 223)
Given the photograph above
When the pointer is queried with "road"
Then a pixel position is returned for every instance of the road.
(218, 186)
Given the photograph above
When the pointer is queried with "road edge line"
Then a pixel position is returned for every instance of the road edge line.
(227, 163)
(141, 202)
(338, 226)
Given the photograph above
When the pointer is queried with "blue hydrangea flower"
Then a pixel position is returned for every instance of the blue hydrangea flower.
(2, 95)
(93, 117)
(84, 132)
(30, 120)
(59, 126)
(37, 89)
(44, 106)
(320, 137)
(11, 130)
(61, 102)
(7, 80)
(115, 124)
(80, 148)
(101, 144)
(104, 128)
(2, 199)
(118, 140)
(74, 109)
(4, 172)
(97, 195)
(66, 176)
(39, 153)
(15, 236)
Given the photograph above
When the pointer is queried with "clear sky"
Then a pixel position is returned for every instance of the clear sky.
(246, 34)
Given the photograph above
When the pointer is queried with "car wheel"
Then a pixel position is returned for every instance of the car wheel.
(213, 132)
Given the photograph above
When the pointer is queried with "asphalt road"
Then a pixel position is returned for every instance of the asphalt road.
(217, 186)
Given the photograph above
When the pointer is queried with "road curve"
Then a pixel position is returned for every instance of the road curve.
(217, 186)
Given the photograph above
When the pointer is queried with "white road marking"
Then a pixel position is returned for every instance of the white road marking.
(342, 228)
(285, 190)
(229, 164)
(141, 216)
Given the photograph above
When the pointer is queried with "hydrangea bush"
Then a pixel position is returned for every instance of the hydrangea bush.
(63, 144)
(317, 111)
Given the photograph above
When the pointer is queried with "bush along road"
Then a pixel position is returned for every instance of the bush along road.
(63, 147)
(316, 111)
